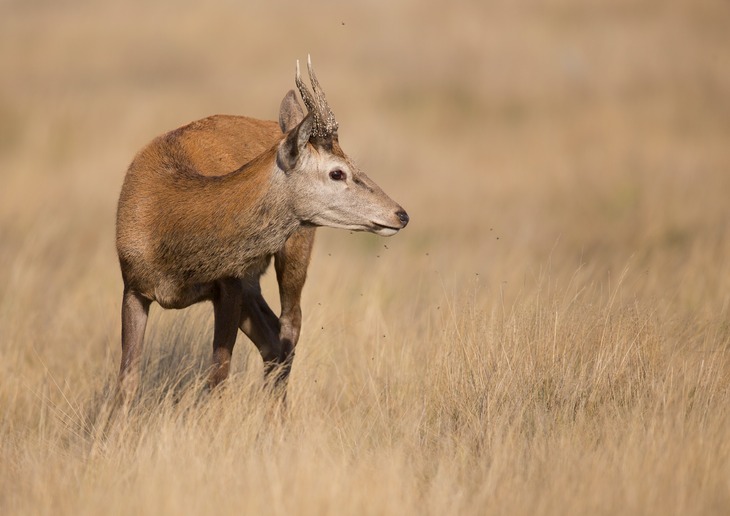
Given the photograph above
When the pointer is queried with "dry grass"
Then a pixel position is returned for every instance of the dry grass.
(550, 335)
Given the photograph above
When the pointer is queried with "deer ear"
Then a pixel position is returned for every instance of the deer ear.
(294, 144)
(290, 112)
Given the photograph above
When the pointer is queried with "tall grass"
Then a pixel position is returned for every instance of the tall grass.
(563, 401)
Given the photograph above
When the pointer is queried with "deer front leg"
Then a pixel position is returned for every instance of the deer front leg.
(134, 321)
(260, 324)
(291, 272)
(226, 311)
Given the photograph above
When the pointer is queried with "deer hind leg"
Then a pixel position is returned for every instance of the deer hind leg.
(260, 324)
(291, 272)
(135, 309)
(226, 309)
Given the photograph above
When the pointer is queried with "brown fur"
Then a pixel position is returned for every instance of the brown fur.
(221, 144)
(179, 231)
(211, 147)
(217, 145)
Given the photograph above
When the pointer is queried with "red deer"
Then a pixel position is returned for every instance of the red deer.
(203, 209)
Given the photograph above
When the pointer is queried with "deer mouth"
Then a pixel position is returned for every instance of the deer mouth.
(383, 230)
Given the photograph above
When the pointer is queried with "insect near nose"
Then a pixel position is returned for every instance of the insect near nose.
(403, 217)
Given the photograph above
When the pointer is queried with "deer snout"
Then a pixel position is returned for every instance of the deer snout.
(397, 221)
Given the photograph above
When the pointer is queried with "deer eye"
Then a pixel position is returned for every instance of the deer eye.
(337, 175)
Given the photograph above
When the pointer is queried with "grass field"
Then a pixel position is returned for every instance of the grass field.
(550, 334)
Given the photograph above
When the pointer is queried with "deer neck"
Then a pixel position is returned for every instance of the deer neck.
(255, 209)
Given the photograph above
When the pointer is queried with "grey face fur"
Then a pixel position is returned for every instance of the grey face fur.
(326, 187)
(329, 190)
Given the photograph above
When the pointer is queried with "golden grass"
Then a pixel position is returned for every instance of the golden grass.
(550, 335)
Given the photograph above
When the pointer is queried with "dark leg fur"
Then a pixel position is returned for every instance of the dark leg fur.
(291, 272)
(260, 324)
(134, 321)
(227, 309)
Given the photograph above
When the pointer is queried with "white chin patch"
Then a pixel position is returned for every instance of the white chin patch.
(386, 232)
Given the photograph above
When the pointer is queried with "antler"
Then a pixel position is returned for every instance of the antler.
(325, 124)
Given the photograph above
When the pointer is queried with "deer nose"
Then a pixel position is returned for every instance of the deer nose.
(403, 217)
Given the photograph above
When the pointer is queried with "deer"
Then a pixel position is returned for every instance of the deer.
(204, 208)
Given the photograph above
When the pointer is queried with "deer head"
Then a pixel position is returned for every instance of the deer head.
(326, 187)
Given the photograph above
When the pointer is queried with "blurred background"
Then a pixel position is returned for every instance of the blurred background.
(566, 167)
(522, 137)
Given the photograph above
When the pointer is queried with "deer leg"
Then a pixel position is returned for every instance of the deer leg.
(260, 325)
(134, 321)
(226, 310)
(291, 272)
